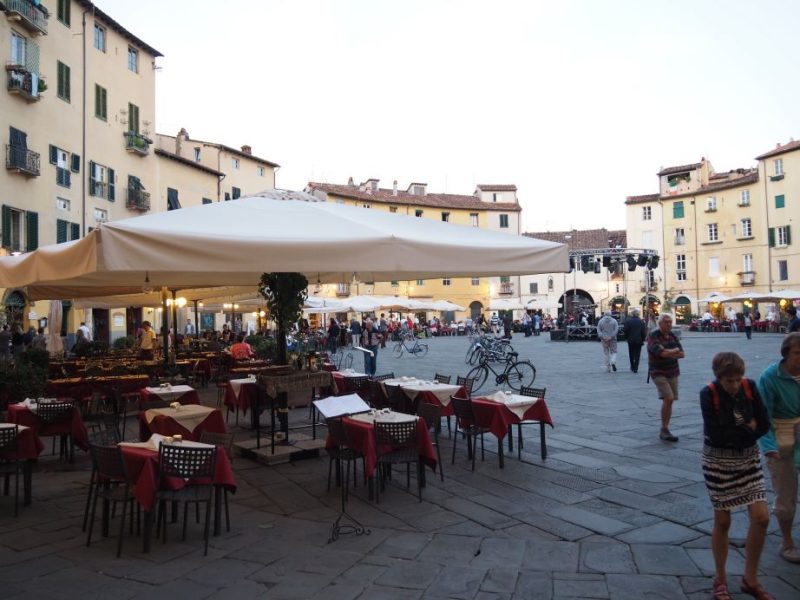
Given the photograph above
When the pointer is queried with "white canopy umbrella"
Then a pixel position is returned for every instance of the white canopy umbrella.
(505, 304)
(715, 297)
(233, 243)
(776, 296)
(540, 304)
(446, 306)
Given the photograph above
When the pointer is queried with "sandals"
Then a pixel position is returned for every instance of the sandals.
(756, 591)
(791, 555)
(720, 591)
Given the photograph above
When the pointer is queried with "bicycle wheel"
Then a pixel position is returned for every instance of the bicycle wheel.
(470, 352)
(479, 374)
(476, 355)
(420, 350)
(397, 351)
(520, 374)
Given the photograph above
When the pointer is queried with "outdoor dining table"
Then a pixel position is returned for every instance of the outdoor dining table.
(81, 387)
(361, 437)
(189, 421)
(141, 462)
(24, 413)
(175, 393)
(29, 447)
(241, 393)
(432, 392)
(501, 410)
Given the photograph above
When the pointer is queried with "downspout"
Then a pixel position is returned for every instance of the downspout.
(766, 220)
(83, 128)
(696, 257)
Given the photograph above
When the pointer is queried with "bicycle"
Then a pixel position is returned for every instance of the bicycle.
(517, 373)
(342, 358)
(417, 349)
(496, 348)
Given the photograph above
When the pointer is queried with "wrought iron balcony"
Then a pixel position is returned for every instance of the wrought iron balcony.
(747, 278)
(22, 160)
(137, 143)
(137, 199)
(342, 289)
(506, 288)
(31, 16)
(25, 83)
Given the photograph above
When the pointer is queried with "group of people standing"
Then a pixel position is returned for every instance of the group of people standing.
(368, 336)
(14, 342)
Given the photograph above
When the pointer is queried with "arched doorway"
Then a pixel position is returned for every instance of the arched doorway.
(475, 310)
(683, 310)
(574, 301)
(618, 305)
(650, 305)
(15, 308)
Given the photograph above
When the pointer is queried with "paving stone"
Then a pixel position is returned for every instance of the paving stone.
(379, 592)
(606, 558)
(704, 560)
(409, 574)
(637, 587)
(552, 556)
(456, 582)
(558, 527)
(589, 520)
(450, 550)
(662, 532)
(534, 585)
(501, 581)
(500, 553)
(576, 458)
(657, 559)
(570, 588)
(644, 474)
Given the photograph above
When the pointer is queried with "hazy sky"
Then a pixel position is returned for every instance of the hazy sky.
(578, 103)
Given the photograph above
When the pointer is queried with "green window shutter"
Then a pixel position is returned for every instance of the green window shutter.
(206, 200)
(91, 179)
(31, 230)
(53, 155)
(771, 237)
(61, 231)
(788, 234)
(66, 82)
(76, 163)
(104, 103)
(110, 184)
(76, 231)
(96, 100)
(133, 118)
(6, 226)
(780, 201)
(236, 193)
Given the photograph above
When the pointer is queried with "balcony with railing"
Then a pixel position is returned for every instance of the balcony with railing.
(342, 289)
(506, 288)
(137, 143)
(22, 160)
(137, 199)
(31, 15)
(24, 83)
(747, 278)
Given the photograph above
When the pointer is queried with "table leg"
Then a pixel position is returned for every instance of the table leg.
(500, 452)
(510, 439)
(148, 529)
(27, 481)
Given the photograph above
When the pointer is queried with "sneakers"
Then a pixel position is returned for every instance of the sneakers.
(667, 436)
(614, 367)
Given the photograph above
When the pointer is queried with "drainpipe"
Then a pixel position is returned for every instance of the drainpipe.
(696, 257)
(83, 127)
(766, 219)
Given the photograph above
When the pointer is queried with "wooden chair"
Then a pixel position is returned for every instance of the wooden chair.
(109, 481)
(10, 467)
(196, 467)
(432, 414)
(402, 439)
(224, 441)
(534, 393)
(465, 424)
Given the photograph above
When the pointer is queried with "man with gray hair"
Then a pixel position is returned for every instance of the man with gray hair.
(635, 334)
(663, 351)
(607, 328)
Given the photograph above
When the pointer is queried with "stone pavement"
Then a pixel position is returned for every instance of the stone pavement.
(613, 512)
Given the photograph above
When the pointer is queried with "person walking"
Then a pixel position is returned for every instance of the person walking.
(607, 329)
(663, 352)
(383, 327)
(355, 332)
(537, 324)
(794, 320)
(5, 344)
(526, 324)
(494, 321)
(333, 335)
(636, 334)
(734, 417)
(779, 386)
(748, 325)
(370, 340)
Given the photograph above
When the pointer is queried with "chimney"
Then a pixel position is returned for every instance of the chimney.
(394, 188)
(351, 183)
(247, 149)
(182, 134)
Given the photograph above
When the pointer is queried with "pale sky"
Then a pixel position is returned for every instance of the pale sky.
(579, 103)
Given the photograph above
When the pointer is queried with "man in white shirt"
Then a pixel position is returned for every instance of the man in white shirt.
(86, 333)
(189, 329)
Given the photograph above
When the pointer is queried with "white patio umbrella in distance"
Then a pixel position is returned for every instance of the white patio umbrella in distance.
(327, 242)
(505, 304)
(446, 305)
(715, 297)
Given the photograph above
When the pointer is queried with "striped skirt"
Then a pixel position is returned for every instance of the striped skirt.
(733, 476)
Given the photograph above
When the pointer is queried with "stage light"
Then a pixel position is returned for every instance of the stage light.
(597, 267)
(571, 263)
(606, 261)
(631, 260)
(642, 261)
(586, 264)
(654, 262)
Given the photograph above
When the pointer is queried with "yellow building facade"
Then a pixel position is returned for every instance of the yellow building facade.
(490, 207)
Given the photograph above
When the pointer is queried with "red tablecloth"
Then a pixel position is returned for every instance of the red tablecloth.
(29, 446)
(166, 425)
(431, 398)
(190, 397)
(497, 417)
(247, 396)
(361, 437)
(142, 465)
(74, 427)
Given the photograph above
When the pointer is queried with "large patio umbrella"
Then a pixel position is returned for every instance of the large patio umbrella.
(715, 297)
(505, 304)
(233, 243)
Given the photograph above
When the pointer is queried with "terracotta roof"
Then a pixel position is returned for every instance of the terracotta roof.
(680, 169)
(238, 152)
(584, 239)
(642, 199)
(93, 8)
(749, 178)
(187, 162)
(793, 145)
(386, 196)
(500, 187)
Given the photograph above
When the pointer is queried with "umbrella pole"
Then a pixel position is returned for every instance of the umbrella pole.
(165, 315)
(174, 323)
(196, 321)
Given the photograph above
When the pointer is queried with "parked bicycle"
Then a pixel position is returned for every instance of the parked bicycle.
(411, 345)
(495, 349)
(516, 373)
(342, 358)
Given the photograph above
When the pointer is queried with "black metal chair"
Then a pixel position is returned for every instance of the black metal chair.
(224, 441)
(196, 467)
(534, 393)
(377, 394)
(340, 451)
(432, 414)
(397, 400)
(109, 481)
(467, 383)
(357, 385)
(442, 378)
(402, 439)
(383, 377)
(53, 413)
(465, 424)
(10, 466)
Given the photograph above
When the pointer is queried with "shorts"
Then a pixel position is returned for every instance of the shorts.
(666, 386)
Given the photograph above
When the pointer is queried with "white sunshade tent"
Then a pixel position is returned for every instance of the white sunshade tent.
(233, 243)
(715, 297)
(537, 304)
(776, 296)
(505, 304)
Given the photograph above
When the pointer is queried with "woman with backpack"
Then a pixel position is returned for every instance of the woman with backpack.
(734, 417)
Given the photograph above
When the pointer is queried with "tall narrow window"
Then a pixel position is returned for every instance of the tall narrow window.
(133, 60)
(677, 209)
(236, 193)
(783, 270)
(712, 232)
(446, 217)
(747, 263)
(778, 166)
(647, 213)
(197, 155)
(473, 219)
(100, 102)
(99, 38)
(747, 228)
(235, 163)
(503, 221)
(680, 267)
(62, 77)
(172, 199)
(713, 266)
(744, 198)
(780, 201)
(133, 118)
(680, 236)
(18, 49)
(63, 11)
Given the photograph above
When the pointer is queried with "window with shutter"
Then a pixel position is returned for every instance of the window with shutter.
(75, 167)
(6, 241)
(31, 230)
(63, 76)
(236, 193)
(111, 193)
(133, 118)
(63, 13)
(75, 231)
(61, 231)
(17, 138)
(206, 200)
(53, 155)
(172, 199)
(92, 181)
(780, 201)
(771, 237)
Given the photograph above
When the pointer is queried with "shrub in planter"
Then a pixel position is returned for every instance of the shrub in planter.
(38, 357)
(124, 343)
(21, 380)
